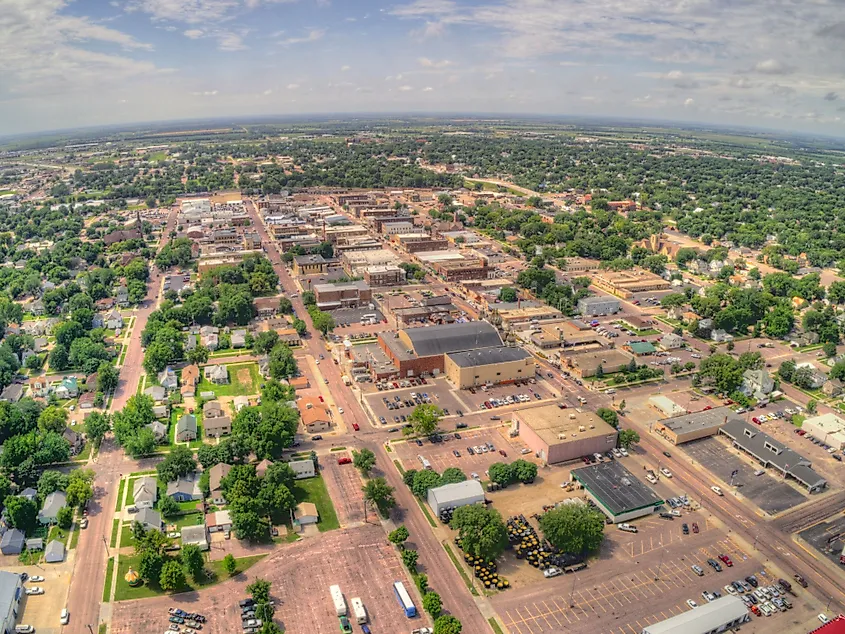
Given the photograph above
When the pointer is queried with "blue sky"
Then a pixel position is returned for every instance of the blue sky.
(768, 63)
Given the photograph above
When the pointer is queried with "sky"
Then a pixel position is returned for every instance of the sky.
(776, 64)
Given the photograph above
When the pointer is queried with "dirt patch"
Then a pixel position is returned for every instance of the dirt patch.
(244, 377)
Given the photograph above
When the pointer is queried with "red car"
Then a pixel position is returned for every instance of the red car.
(321, 400)
(344, 460)
(503, 452)
(755, 610)
(694, 527)
(708, 407)
(727, 560)
(356, 427)
(755, 420)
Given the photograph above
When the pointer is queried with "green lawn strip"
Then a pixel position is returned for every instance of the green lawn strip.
(103, 629)
(425, 512)
(399, 466)
(460, 568)
(109, 575)
(83, 455)
(126, 534)
(74, 537)
(123, 591)
(57, 533)
(120, 488)
(314, 490)
(495, 625)
(115, 529)
(798, 420)
(338, 449)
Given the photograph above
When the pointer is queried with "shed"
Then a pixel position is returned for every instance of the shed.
(55, 552)
(35, 543)
(306, 513)
(196, 535)
(452, 496)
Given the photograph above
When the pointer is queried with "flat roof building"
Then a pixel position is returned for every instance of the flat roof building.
(688, 427)
(828, 428)
(567, 334)
(11, 591)
(625, 284)
(559, 435)
(586, 364)
(616, 492)
(342, 295)
(666, 406)
(720, 615)
(593, 306)
(488, 366)
(452, 496)
(514, 316)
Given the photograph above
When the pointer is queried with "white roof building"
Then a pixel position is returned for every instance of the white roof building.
(717, 616)
(455, 495)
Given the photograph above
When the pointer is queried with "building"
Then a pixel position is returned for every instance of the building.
(195, 535)
(757, 384)
(215, 478)
(559, 435)
(54, 552)
(185, 489)
(145, 492)
(156, 392)
(149, 519)
(12, 393)
(190, 378)
(315, 415)
(35, 544)
(671, 341)
(53, 503)
(616, 492)
(306, 513)
(568, 334)
(640, 348)
(218, 521)
(240, 402)
(343, 295)
(356, 262)
(397, 227)
(688, 427)
(771, 453)
(580, 265)
(419, 242)
(13, 542)
(586, 364)
(625, 284)
(309, 265)
(217, 374)
(158, 428)
(721, 615)
(488, 366)
(387, 275)
(468, 268)
(416, 351)
(11, 591)
(827, 428)
(666, 406)
(452, 496)
(217, 426)
(513, 316)
(303, 468)
(594, 306)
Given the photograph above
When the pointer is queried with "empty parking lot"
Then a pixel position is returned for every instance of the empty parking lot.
(767, 491)
(827, 537)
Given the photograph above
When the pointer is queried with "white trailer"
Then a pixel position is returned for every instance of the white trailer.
(359, 611)
(339, 601)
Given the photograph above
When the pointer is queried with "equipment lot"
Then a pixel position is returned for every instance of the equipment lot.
(827, 537)
(766, 491)
(360, 560)
(441, 457)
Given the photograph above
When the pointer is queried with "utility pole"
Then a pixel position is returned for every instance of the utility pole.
(108, 554)
(660, 565)
(572, 592)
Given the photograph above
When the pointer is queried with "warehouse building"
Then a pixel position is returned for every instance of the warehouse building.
(666, 406)
(586, 364)
(594, 306)
(687, 427)
(452, 496)
(828, 428)
(11, 591)
(616, 492)
(559, 435)
(488, 366)
(720, 615)
(771, 453)
(625, 283)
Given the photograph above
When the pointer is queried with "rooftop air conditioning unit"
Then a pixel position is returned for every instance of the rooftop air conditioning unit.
(592, 426)
(582, 428)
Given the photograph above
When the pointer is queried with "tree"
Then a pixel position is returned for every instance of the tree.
(21, 513)
(423, 481)
(608, 416)
(481, 530)
(408, 477)
(600, 373)
(501, 473)
(107, 377)
(172, 576)
(308, 298)
(51, 481)
(364, 460)
(192, 560)
(179, 462)
(447, 624)
(259, 590)
(524, 471)
(80, 487)
(96, 427)
(573, 528)
(628, 437)
(300, 327)
(424, 419)
(432, 604)
(622, 406)
(64, 517)
(230, 564)
(198, 355)
(53, 419)
(285, 306)
(786, 371)
(265, 342)
(168, 507)
(452, 475)
(398, 536)
(422, 582)
(150, 565)
(282, 363)
(829, 349)
(508, 294)
(812, 406)
(410, 558)
(380, 493)
(724, 372)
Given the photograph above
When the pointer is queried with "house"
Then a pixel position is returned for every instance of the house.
(239, 338)
(240, 402)
(104, 304)
(814, 377)
(29, 493)
(195, 535)
(190, 342)
(671, 341)
(145, 492)
(185, 489)
(209, 330)
(98, 321)
(167, 379)
(39, 344)
(306, 513)
(303, 468)
(217, 374)
(113, 319)
(261, 467)
(219, 521)
(122, 296)
(757, 384)
(150, 519)
(720, 336)
(39, 387)
(87, 400)
(186, 428)
(13, 542)
(157, 393)
(50, 509)
(74, 439)
(215, 477)
(161, 411)
(13, 393)
(71, 385)
(91, 382)
(217, 427)
(54, 553)
(211, 342)
(264, 366)
(159, 429)
(190, 376)
(833, 387)
(36, 307)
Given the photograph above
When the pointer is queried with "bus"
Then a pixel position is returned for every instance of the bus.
(424, 462)
(404, 599)
(338, 600)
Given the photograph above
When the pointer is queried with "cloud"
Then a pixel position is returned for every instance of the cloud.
(344, 68)
(689, 102)
(293, 86)
(772, 67)
(835, 31)
(782, 91)
(269, 91)
(831, 96)
(194, 34)
(207, 93)
(428, 89)
(312, 36)
(230, 42)
(406, 88)
(196, 11)
(425, 62)
(422, 8)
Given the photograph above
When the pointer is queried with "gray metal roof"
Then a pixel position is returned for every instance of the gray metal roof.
(616, 487)
(488, 356)
(54, 552)
(187, 422)
(52, 504)
(13, 539)
(10, 591)
(457, 492)
(705, 618)
(434, 340)
(705, 419)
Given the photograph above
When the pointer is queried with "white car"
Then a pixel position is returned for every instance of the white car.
(64, 619)
(35, 590)
(730, 589)
(823, 618)
(650, 477)
(716, 490)
(666, 472)
(340, 410)
(548, 573)
(36, 578)
(692, 603)
(628, 528)
(624, 452)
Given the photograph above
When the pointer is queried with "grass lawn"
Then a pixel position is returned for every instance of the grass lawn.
(30, 558)
(236, 386)
(83, 455)
(314, 490)
(175, 415)
(460, 568)
(798, 420)
(109, 575)
(495, 625)
(57, 533)
(119, 503)
(123, 592)
(115, 529)
(74, 538)
(126, 534)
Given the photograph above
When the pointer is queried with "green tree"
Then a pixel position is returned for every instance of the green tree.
(53, 419)
(786, 371)
(380, 493)
(80, 487)
(829, 349)
(812, 406)
(409, 558)
(198, 355)
(168, 507)
(723, 372)
(259, 590)
(364, 460)
(447, 624)
(230, 564)
(508, 294)
(608, 416)
(172, 576)
(432, 604)
(423, 481)
(424, 420)
(622, 406)
(285, 306)
(265, 342)
(573, 528)
(452, 475)
(398, 536)
(524, 471)
(481, 530)
(193, 561)
(308, 298)
(179, 462)
(300, 327)
(107, 377)
(282, 363)
(600, 372)
(64, 517)
(21, 513)
(422, 582)
(501, 473)
(97, 426)
(150, 565)
(628, 437)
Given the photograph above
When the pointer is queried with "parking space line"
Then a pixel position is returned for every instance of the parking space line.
(542, 614)
(551, 612)
(628, 625)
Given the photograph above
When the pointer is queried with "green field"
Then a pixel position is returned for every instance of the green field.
(314, 490)
(109, 576)
(237, 386)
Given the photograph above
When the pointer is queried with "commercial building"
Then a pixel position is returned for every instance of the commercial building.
(640, 348)
(458, 270)
(625, 284)
(452, 496)
(559, 435)
(309, 265)
(616, 492)
(666, 406)
(688, 427)
(488, 366)
(356, 262)
(720, 615)
(594, 306)
(586, 364)
(387, 275)
(580, 265)
(828, 428)
(315, 416)
(11, 591)
(836, 625)
(344, 295)
(513, 316)
(567, 334)
(419, 242)
(771, 453)
(398, 227)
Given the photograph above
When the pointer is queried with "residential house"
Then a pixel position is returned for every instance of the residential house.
(106, 303)
(190, 378)
(87, 400)
(306, 513)
(50, 509)
(815, 378)
(36, 307)
(185, 489)
(39, 387)
(264, 366)
(209, 330)
(159, 430)
(196, 536)
(54, 553)
(167, 379)
(833, 387)
(190, 342)
(113, 319)
(239, 338)
(26, 354)
(157, 393)
(211, 342)
(315, 416)
(161, 411)
(261, 467)
(219, 521)
(13, 542)
(91, 382)
(12, 393)
(217, 427)
(303, 468)
(122, 296)
(671, 341)
(74, 439)
(71, 386)
(98, 321)
(150, 519)
(757, 384)
(720, 336)
(240, 402)
(215, 477)
(29, 493)
(145, 492)
(217, 374)
(40, 344)
(186, 428)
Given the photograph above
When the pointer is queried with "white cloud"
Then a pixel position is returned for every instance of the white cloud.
(194, 34)
(293, 86)
(406, 88)
(230, 42)
(428, 89)
(344, 68)
(312, 36)
(688, 102)
(269, 91)
(206, 93)
(425, 62)
(772, 67)
(196, 11)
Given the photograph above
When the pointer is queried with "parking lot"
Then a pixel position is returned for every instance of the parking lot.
(359, 560)
(828, 538)
(441, 455)
(439, 393)
(344, 486)
(767, 491)
(499, 392)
